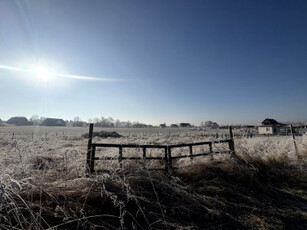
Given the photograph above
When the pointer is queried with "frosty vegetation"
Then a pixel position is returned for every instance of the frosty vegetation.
(44, 183)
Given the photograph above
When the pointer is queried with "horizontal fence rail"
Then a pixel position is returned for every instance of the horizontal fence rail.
(166, 156)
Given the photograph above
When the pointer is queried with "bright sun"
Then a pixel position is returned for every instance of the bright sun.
(42, 73)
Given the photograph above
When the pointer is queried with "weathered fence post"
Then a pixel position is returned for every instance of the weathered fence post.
(144, 156)
(120, 157)
(231, 142)
(191, 152)
(210, 147)
(13, 136)
(92, 160)
(166, 160)
(294, 143)
(169, 153)
(89, 147)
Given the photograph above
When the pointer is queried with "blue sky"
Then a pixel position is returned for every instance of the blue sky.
(165, 61)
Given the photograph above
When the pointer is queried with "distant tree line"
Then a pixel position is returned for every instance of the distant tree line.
(111, 123)
(76, 122)
(105, 122)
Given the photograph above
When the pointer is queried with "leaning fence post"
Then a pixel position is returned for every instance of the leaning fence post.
(144, 156)
(89, 147)
(191, 152)
(169, 152)
(166, 160)
(120, 157)
(210, 147)
(294, 143)
(231, 142)
(92, 160)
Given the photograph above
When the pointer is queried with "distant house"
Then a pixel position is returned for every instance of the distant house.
(185, 125)
(19, 121)
(174, 126)
(163, 125)
(271, 127)
(54, 122)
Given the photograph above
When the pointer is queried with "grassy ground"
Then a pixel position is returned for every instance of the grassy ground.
(43, 185)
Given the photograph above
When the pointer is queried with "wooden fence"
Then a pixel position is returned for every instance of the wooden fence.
(166, 157)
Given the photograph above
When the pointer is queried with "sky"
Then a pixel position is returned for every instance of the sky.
(233, 62)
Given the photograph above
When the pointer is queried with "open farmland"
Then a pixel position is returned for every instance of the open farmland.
(44, 184)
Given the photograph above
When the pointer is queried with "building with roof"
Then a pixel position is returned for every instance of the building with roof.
(271, 127)
(19, 121)
(54, 122)
(185, 125)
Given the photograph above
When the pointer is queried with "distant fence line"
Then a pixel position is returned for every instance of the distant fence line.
(57, 134)
(167, 157)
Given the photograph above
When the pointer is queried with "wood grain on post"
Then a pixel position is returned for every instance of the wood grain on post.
(166, 160)
(89, 147)
(294, 143)
(231, 142)
(169, 153)
(144, 156)
(92, 163)
(120, 157)
(191, 152)
(210, 147)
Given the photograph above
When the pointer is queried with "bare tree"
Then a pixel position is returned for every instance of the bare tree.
(35, 120)
(117, 123)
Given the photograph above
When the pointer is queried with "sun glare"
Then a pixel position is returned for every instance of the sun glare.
(42, 73)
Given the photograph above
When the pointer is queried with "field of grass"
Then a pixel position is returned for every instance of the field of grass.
(44, 184)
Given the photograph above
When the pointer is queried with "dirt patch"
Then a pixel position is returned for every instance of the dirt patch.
(103, 134)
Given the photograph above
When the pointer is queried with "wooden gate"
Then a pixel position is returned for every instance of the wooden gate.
(166, 157)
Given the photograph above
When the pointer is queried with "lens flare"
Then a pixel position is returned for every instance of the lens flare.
(42, 73)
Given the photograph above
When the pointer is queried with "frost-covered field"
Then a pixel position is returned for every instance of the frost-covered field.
(61, 145)
(51, 160)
